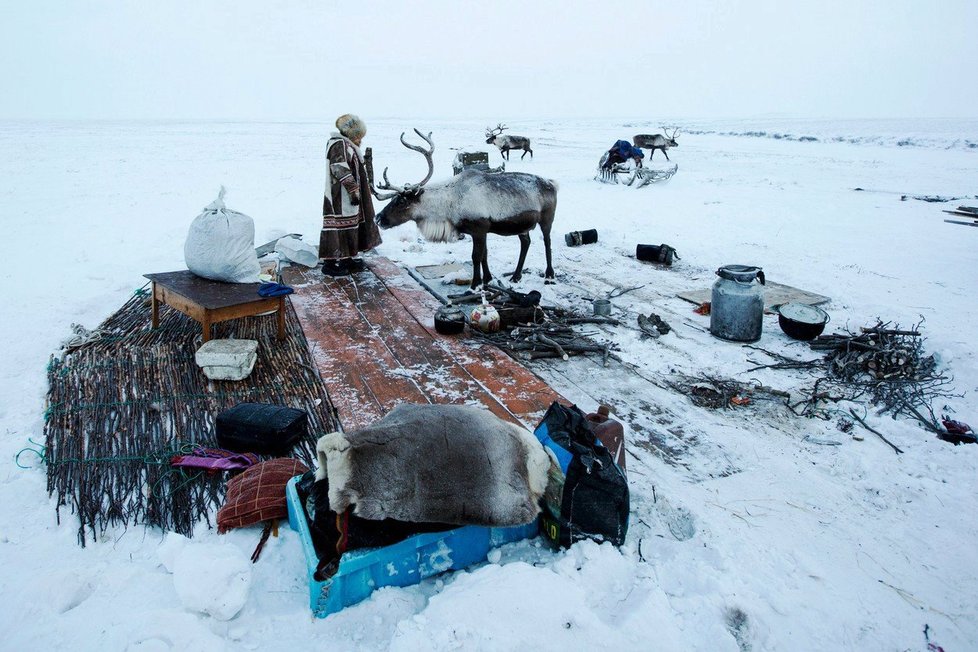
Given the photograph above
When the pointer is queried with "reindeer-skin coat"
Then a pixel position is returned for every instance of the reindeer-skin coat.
(477, 204)
(347, 229)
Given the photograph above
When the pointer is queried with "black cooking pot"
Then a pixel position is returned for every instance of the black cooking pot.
(449, 320)
(802, 321)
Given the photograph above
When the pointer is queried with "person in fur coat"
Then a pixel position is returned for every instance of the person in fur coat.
(348, 212)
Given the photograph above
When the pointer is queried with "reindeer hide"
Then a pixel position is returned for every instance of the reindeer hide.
(436, 463)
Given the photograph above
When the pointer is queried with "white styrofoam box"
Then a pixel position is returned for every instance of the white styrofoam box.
(225, 353)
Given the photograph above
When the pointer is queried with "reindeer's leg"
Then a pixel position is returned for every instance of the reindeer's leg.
(524, 247)
(486, 276)
(546, 222)
(524, 154)
(665, 154)
(478, 253)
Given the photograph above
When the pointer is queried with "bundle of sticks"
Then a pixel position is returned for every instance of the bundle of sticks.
(883, 363)
(879, 353)
(121, 404)
(534, 332)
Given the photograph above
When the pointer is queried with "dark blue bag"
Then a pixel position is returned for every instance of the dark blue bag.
(587, 496)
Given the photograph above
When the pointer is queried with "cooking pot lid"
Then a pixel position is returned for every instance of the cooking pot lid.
(803, 313)
(742, 273)
(450, 313)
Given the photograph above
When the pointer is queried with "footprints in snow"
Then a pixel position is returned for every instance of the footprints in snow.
(678, 520)
(83, 591)
(738, 624)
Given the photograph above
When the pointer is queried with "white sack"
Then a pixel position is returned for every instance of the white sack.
(221, 245)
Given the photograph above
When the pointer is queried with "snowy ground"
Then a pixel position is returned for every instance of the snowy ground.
(744, 535)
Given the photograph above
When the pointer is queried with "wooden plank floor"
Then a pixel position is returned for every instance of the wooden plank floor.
(372, 336)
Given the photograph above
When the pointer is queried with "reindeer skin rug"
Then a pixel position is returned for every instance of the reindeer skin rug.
(436, 463)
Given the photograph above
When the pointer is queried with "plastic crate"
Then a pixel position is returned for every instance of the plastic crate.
(407, 562)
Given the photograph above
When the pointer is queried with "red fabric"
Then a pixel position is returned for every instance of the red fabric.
(956, 427)
(258, 494)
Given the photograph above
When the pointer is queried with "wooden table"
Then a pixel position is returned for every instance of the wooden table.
(209, 302)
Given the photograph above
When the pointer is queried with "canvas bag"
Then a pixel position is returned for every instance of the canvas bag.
(587, 495)
(221, 245)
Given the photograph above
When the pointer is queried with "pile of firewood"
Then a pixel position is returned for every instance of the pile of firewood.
(534, 332)
(883, 364)
(876, 353)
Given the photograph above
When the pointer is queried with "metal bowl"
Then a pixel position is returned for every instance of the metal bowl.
(802, 321)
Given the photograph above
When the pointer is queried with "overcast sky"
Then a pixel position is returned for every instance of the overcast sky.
(303, 59)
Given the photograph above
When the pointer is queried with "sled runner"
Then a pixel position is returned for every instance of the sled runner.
(625, 174)
(964, 211)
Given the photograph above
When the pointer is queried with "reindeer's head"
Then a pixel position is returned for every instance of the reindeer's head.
(492, 133)
(671, 139)
(405, 200)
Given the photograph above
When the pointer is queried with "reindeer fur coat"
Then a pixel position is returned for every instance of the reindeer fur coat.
(436, 463)
(348, 228)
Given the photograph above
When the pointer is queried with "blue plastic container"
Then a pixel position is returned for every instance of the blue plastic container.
(361, 572)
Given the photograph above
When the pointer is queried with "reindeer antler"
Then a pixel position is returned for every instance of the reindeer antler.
(427, 153)
(384, 186)
(410, 188)
(495, 131)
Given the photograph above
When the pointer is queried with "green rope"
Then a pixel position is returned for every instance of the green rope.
(56, 408)
(40, 451)
(188, 478)
(158, 458)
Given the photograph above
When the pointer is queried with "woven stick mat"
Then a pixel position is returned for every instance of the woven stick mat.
(120, 406)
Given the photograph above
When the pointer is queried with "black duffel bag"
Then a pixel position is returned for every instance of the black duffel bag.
(587, 494)
(260, 428)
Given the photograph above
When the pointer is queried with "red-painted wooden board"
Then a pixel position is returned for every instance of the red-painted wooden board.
(372, 336)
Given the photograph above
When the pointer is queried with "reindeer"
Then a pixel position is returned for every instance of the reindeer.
(506, 143)
(657, 141)
(474, 203)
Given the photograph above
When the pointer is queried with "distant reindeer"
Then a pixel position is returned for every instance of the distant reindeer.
(476, 203)
(506, 143)
(657, 141)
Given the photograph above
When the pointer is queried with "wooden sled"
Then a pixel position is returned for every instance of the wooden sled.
(634, 177)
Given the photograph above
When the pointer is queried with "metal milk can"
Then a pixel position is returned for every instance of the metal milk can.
(737, 308)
